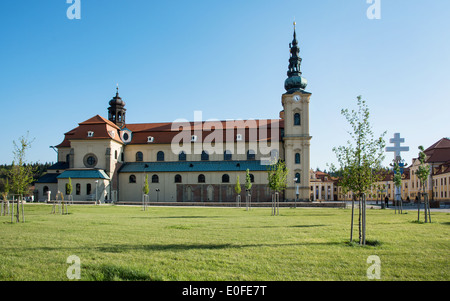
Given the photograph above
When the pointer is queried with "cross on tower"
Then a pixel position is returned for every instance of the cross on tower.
(396, 149)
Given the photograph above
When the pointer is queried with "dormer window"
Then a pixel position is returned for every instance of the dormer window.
(193, 138)
(90, 134)
(150, 139)
(239, 137)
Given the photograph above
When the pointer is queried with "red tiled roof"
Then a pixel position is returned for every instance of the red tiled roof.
(164, 133)
(442, 169)
(102, 128)
(439, 151)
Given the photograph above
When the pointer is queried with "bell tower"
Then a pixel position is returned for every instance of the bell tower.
(116, 110)
(296, 127)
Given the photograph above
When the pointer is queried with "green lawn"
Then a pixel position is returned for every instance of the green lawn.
(162, 243)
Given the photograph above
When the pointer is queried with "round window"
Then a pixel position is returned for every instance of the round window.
(90, 160)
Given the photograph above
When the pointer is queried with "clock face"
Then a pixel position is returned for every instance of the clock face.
(296, 97)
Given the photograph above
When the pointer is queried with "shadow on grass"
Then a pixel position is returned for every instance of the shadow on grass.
(109, 272)
(180, 217)
(307, 226)
(187, 247)
(369, 243)
(294, 226)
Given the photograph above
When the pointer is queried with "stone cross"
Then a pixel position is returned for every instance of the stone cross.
(396, 149)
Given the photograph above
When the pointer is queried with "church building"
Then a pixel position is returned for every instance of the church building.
(185, 161)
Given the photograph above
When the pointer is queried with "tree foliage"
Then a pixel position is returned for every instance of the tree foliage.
(360, 160)
(21, 174)
(423, 171)
(248, 181)
(277, 176)
(146, 188)
(237, 187)
(69, 187)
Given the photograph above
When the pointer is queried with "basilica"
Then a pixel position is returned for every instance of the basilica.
(109, 159)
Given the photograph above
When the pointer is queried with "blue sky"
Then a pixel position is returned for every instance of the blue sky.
(229, 60)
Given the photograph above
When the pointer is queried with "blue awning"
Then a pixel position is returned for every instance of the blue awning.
(194, 166)
(84, 174)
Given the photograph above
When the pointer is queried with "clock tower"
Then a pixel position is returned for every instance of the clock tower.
(296, 127)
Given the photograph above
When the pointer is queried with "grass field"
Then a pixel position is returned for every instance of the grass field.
(214, 244)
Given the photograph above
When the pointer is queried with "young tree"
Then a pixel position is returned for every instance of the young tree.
(277, 177)
(21, 174)
(145, 190)
(422, 173)
(5, 193)
(360, 160)
(248, 187)
(237, 189)
(398, 184)
(69, 189)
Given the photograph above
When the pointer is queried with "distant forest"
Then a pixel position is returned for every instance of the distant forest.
(39, 168)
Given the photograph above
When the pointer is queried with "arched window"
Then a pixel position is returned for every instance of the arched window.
(297, 158)
(88, 189)
(182, 156)
(45, 190)
(132, 179)
(155, 179)
(251, 154)
(297, 176)
(296, 119)
(160, 156)
(205, 156)
(139, 157)
(201, 179)
(225, 178)
(78, 189)
(227, 155)
(252, 178)
(178, 179)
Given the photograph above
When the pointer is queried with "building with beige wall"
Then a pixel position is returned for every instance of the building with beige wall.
(109, 158)
(437, 185)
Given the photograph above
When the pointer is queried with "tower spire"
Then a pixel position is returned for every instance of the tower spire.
(295, 81)
(116, 110)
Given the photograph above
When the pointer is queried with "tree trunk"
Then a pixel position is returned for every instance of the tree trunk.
(12, 211)
(353, 210)
(428, 209)
(18, 209)
(23, 212)
(359, 219)
(363, 219)
(418, 208)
